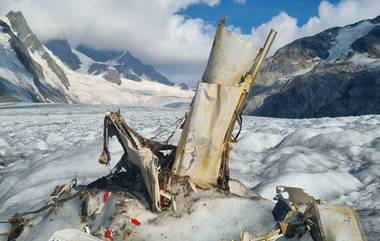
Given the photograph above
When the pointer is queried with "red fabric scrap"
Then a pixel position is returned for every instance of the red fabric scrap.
(108, 234)
(134, 221)
(106, 196)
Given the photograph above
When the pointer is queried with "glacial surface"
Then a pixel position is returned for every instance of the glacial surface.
(335, 159)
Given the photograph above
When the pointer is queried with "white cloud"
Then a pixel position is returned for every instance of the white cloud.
(155, 32)
(329, 15)
(151, 29)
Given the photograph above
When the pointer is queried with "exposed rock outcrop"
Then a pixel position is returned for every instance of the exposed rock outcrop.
(62, 49)
(112, 76)
(369, 43)
(333, 73)
(24, 69)
(30, 41)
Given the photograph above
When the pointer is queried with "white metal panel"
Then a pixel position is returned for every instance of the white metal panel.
(203, 138)
(231, 57)
(340, 223)
(201, 144)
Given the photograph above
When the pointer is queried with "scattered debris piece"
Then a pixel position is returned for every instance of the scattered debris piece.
(134, 221)
(18, 224)
(139, 153)
(128, 233)
(93, 203)
(335, 222)
(271, 236)
(108, 234)
(193, 187)
(324, 221)
(87, 229)
(106, 196)
(281, 210)
(61, 189)
(296, 195)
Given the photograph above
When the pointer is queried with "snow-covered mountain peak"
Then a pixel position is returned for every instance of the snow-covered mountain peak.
(27, 71)
(123, 62)
(105, 62)
(30, 72)
(57, 78)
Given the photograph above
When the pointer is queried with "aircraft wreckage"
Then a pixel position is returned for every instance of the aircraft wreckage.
(169, 178)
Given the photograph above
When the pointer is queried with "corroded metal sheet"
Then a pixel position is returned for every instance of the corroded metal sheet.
(136, 153)
(201, 145)
(203, 139)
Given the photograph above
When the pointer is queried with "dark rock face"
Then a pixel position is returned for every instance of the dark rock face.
(30, 41)
(127, 73)
(112, 76)
(369, 44)
(124, 62)
(110, 73)
(183, 86)
(127, 62)
(362, 96)
(19, 24)
(99, 55)
(62, 49)
(12, 93)
(300, 54)
(301, 81)
(22, 53)
(97, 68)
(326, 93)
(33, 68)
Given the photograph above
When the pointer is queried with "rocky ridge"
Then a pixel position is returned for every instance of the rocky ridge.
(333, 73)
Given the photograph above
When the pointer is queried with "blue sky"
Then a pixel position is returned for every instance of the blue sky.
(254, 12)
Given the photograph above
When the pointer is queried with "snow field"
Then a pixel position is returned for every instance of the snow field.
(335, 159)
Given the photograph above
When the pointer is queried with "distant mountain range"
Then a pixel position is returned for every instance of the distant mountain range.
(333, 73)
(112, 64)
(33, 72)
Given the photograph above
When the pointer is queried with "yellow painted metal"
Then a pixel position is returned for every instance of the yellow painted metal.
(250, 78)
(247, 84)
(271, 236)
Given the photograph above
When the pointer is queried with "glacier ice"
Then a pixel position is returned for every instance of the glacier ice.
(336, 159)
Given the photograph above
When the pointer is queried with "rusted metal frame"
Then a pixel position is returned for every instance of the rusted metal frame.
(247, 82)
(129, 142)
(130, 133)
(155, 146)
(114, 124)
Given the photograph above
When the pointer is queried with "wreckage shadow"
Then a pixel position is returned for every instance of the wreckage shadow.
(128, 182)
